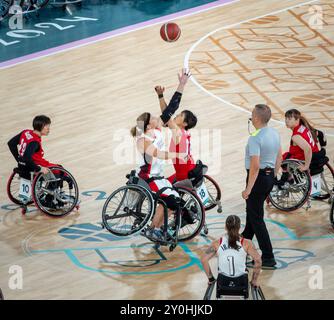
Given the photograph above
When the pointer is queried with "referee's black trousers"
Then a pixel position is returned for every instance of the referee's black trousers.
(255, 214)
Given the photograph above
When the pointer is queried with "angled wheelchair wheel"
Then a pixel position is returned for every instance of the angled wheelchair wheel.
(4, 8)
(214, 192)
(327, 184)
(128, 210)
(56, 193)
(13, 189)
(192, 214)
(291, 196)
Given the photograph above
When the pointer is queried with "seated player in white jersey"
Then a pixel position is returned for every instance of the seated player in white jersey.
(232, 250)
(150, 144)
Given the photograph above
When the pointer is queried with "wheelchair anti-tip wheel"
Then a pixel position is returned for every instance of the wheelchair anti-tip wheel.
(192, 215)
(55, 193)
(128, 210)
(294, 193)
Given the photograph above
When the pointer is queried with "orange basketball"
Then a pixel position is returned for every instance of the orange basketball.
(170, 32)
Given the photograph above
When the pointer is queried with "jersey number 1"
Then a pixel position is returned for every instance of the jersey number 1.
(231, 265)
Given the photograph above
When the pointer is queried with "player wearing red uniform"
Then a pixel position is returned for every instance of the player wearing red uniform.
(304, 142)
(26, 147)
(181, 139)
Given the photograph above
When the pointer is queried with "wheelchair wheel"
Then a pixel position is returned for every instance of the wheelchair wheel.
(55, 193)
(4, 8)
(192, 214)
(214, 192)
(128, 210)
(291, 196)
(13, 189)
(327, 183)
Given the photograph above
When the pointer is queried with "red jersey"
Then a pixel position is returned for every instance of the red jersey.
(297, 152)
(28, 136)
(184, 146)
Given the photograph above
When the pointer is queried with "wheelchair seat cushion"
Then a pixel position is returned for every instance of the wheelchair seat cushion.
(232, 286)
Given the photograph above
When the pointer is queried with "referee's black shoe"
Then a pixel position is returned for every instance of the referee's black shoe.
(266, 263)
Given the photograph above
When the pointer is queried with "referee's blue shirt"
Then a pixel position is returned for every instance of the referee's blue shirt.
(264, 142)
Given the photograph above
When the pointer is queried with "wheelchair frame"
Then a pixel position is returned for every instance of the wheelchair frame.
(256, 293)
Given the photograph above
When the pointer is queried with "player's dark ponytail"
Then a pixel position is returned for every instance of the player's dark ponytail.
(233, 227)
(142, 122)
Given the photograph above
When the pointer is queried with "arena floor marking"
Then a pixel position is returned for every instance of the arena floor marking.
(193, 79)
(115, 33)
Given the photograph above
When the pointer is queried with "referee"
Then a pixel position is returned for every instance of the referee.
(263, 160)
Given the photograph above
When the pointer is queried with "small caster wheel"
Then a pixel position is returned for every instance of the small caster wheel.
(23, 210)
(172, 247)
(206, 231)
(77, 207)
(220, 210)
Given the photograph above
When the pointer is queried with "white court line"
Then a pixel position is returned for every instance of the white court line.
(193, 79)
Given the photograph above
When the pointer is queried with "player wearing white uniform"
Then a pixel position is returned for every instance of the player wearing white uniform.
(232, 251)
(231, 262)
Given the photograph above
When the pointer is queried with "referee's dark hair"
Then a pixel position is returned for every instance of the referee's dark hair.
(190, 119)
(40, 122)
(263, 112)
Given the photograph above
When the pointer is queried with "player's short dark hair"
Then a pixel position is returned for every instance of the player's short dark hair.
(263, 112)
(40, 122)
(190, 119)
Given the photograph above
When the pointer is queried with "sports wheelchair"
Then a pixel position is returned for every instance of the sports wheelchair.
(129, 210)
(55, 193)
(233, 288)
(302, 187)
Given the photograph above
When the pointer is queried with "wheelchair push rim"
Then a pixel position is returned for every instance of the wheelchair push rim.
(294, 196)
(194, 207)
(128, 210)
(56, 193)
(13, 186)
(214, 192)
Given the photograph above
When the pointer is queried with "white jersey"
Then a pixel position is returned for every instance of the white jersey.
(231, 262)
(150, 166)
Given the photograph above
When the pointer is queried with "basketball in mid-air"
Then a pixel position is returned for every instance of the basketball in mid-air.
(170, 32)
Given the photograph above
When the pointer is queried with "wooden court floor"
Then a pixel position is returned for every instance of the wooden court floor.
(93, 94)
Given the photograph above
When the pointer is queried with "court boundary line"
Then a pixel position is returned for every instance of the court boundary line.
(114, 33)
(189, 52)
